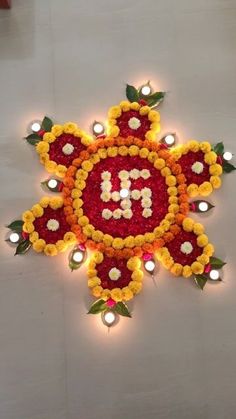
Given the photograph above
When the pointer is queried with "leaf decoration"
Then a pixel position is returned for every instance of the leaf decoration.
(74, 265)
(23, 247)
(155, 98)
(33, 139)
(201, 280)
(122, 309)
(228, 167)
(216, 263)
(16, 225)
(98, 307)
(219, 148)
(132, 93)
(47, 124)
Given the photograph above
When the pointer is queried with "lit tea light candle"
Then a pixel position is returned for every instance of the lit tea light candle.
(98, 128)
(14, 237)
(108, 318)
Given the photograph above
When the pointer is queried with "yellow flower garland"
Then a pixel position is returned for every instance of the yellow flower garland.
(117, 294)
(43, 147)
(40, 245)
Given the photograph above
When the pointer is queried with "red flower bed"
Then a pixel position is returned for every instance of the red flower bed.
(125, 130)
(93, 205)
(49, 236)
(103, 273)
(56, 154)
(186, 162)
(175, 252)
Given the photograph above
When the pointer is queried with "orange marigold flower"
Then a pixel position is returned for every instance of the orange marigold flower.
(181, 178)
(175, 229)
(147, 247)
(183, 198)
(157, 244)
(109, 251)
(91, 244)
(184, 208)
(168, 237)
(69, 182)
(68, 201)
(77, 162)
(68, 210)
(182, 188)
(179, 218)
(176, 169)
(66, 192)
(71, 219)
(138, 252)
(84, 155)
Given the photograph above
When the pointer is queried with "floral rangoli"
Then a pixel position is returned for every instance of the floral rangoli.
(125, 197)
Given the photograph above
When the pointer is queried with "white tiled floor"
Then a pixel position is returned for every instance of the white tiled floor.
(176, 357)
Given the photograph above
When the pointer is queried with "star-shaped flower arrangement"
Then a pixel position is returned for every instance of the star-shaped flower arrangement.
(125, 197)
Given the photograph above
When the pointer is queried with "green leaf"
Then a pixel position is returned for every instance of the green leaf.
(132, 93)
(228, 167)
(47, 124)
(201, 280)
(155, 98)
(219, 148)
(74, 265)
(98, 307)
(23, 247)
(122, 309)
(216, 262)
(33, 139)
(16, 225)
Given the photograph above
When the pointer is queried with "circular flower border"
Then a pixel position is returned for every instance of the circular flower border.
(130, 246)
(117, 294)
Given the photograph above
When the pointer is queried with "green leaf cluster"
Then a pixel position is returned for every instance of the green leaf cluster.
(100, 306)
(134, 95)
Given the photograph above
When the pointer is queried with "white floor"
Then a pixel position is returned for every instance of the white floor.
(176, 358)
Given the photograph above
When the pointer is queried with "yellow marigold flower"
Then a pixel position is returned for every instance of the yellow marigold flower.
(172, 190)
(209, 249)
(152, 155)
(42, 147)
(105, 294)
(116, 294)
(170, 217)
(149, 237)
(210, 157)
(79, 212)
(28, 216)
(154, 116)
(39, 245)
(49, 137)
(159, 164)
(77, 203)
(93, 282)
(107, 239)
(87, 165)
(176, 269)
(173, 208)
(80, 184)
(56, 202)
(127, 294)
(37, 210)
(57, 130)
(143, 152)
(97, 291)
(155, 126)
(165, 224)
(112, 151)
(114, 112)
(69, 238)
(44, 201)
(79, 133)
(202, 240)
(86, 140)
(198, 229)
(113, 131)
(112, 121)
(135, 106)
(43, 158)
(70, 127)
(123, 150)
(171, 180)
(144, 110)
(173, 200)
(133, 263)
(61, 170)
(50, 166)
(61, 245)
(150, 135)
(33, 236)
(215, 169)
(133, 150)
(92, 264)
(192, 190)
(129, 242)
(205, 147)
(135, 286)
(76, 193)
(139, 240)
(203, 259)
(205, 189)
(83, 221)
(158, 231)
(98, 257)
(97, 236)
(137, 275)
(91, 273)
(188, 224)
(187, 271)
(193, 145)
(125, 105)
(94, 158)
(88, 230)
(118, 243)
(197, 268)
(215, 181)
(50, 250)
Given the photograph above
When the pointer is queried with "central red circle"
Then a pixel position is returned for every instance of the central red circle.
(93, 204)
